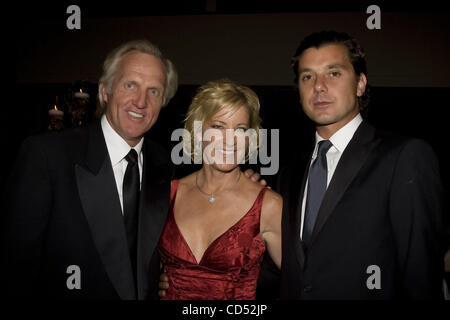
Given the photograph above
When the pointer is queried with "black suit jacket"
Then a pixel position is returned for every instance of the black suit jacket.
(63, 209)
(383, 208)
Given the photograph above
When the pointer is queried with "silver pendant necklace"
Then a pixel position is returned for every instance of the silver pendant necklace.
(212, 196)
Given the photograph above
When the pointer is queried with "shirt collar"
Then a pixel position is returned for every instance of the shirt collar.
(342, 137)
(118, 148)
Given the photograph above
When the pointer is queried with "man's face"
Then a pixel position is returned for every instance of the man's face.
(329, 87)
(136, 96)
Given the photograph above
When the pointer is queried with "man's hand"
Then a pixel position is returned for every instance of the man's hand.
(254, 176)
(163, 284)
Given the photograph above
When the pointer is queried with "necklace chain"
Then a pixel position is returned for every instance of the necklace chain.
(212, 196)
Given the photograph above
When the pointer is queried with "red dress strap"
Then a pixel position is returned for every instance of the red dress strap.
(173, 189)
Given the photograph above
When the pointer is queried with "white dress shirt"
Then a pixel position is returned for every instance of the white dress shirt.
(340, 140)
(118, 148)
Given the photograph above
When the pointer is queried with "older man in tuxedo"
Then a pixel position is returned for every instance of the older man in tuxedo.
(365, 221)
(85, 207)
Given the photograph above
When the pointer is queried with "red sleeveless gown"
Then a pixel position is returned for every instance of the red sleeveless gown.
(230, 266)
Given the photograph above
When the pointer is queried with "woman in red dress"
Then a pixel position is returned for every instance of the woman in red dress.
(220, 222)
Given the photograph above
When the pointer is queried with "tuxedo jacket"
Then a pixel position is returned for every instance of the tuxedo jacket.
(64, 221)
(379, 232)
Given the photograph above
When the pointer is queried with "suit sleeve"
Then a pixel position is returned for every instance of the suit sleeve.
(28, 203)
(416, 210)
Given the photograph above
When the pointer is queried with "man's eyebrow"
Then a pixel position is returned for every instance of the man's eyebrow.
(330, 66)
(304, 70)
(336, 66)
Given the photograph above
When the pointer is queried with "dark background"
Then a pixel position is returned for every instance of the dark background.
(250, 42)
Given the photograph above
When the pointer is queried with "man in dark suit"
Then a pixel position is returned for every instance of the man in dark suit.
(85, 207)
(365, 222)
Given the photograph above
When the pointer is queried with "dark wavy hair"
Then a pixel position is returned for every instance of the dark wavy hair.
(355, 53)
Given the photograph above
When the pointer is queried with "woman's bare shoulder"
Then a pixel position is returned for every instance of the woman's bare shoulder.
(272, 200)
(187, 182)
(250, 185)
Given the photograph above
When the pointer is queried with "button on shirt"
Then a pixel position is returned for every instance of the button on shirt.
(118, 148)
(340, 140)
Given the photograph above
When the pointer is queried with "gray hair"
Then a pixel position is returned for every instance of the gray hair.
(115, 57)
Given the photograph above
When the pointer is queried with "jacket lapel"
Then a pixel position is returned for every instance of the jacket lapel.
(154, 205)
(349, 165)
(294, 195)
(101, 205)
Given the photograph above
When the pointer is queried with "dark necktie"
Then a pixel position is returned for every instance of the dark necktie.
(317, 185)
(131, 186)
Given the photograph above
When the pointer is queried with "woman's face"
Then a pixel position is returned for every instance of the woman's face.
(224, 138)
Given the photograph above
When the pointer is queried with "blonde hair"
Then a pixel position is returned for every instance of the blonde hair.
(212, 98)
(114, 58)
